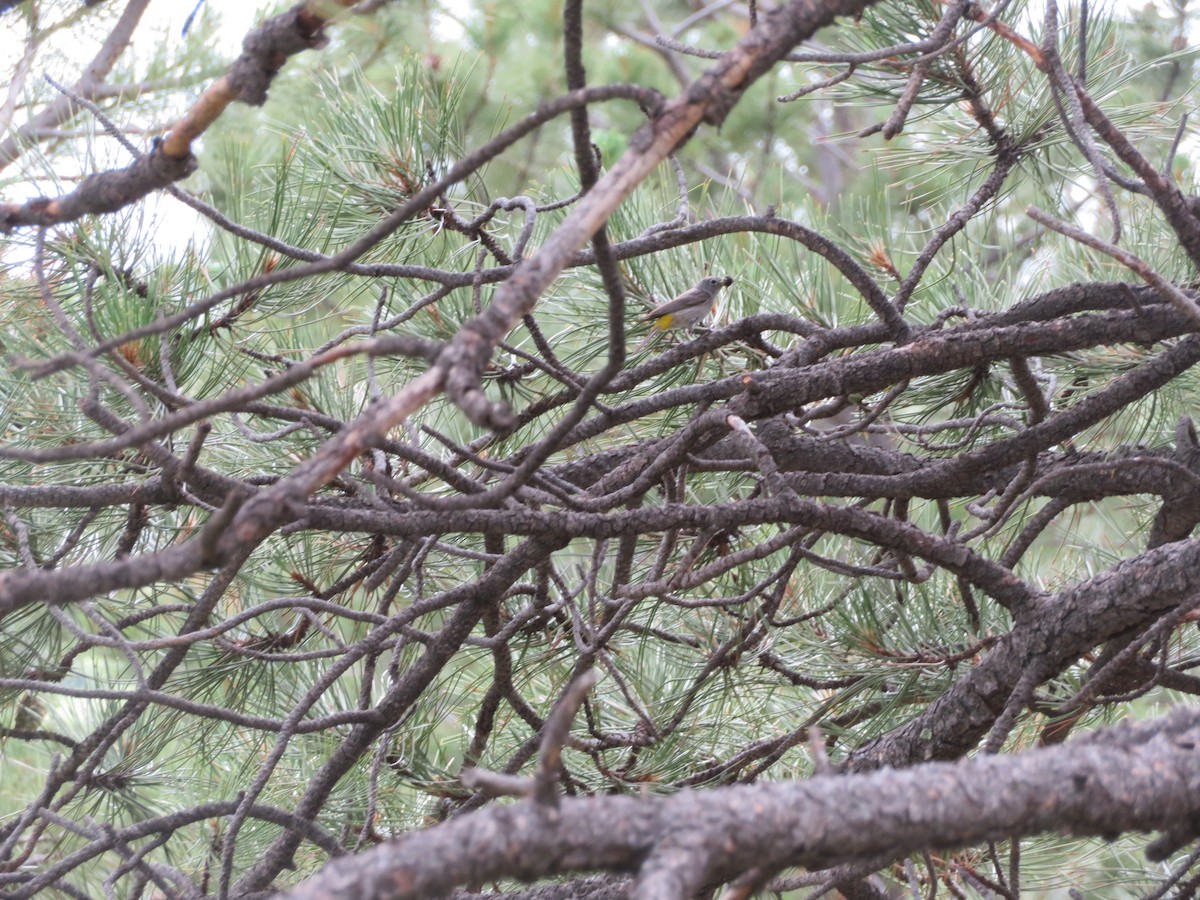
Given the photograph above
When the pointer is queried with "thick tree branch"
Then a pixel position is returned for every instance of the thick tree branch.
(1136, 778)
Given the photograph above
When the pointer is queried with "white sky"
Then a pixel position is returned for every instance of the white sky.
(237, 17)
(162, 18)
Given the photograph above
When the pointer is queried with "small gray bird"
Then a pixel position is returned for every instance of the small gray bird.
(687, 309)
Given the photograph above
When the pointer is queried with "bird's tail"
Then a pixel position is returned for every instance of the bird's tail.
(649, 339)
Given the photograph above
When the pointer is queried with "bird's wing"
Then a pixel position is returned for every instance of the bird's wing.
(686, 300)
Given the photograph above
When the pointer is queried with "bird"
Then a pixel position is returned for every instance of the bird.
(687, 309)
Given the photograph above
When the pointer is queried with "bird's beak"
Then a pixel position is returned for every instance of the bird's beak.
(727, 282)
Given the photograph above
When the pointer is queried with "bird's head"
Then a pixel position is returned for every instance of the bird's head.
(714, 283)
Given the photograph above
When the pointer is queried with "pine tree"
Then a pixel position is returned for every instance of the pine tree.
(358, 503)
